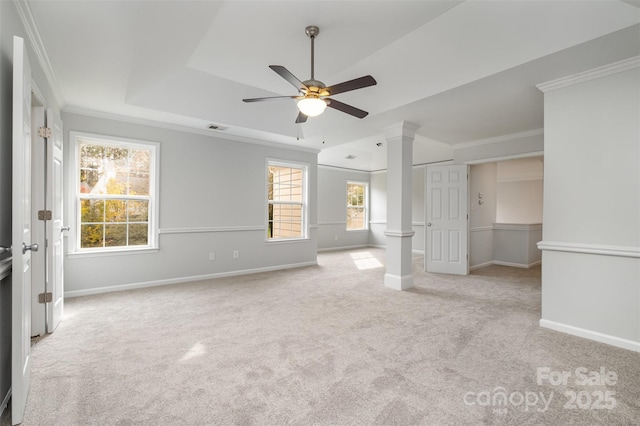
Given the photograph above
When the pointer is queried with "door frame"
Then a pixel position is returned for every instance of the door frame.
(470, 163)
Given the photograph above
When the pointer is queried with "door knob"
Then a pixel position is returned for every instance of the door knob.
(429, 224)
(32, 247)
(5, 249)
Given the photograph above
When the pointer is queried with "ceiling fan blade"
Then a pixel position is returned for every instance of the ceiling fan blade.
(270, 98)
(357, 83)
(301, 118)
(284, 73)
(341, 106)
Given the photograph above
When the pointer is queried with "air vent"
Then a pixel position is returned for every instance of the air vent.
(216, 127)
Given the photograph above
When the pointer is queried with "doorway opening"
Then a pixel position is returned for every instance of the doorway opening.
(505, 212)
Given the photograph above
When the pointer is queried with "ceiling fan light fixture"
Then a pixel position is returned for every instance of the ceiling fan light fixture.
(311, 106)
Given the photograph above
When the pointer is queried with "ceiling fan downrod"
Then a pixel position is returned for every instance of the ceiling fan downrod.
(312, 31)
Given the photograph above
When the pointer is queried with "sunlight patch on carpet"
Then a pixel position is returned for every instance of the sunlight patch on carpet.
(365, 260)
(196, 350)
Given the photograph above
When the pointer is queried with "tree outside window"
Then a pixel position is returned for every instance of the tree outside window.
(114, 194)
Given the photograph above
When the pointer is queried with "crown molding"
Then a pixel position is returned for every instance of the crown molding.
(35, 40)
(183, 129)
(403, 129)
(616, 67)
(497, 139)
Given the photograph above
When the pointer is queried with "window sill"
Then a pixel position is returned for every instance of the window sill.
(357, 230)
(288, 241)
(118, 252)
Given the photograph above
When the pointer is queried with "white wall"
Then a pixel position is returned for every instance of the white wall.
(516, 244)
(591, 237)
(482, 179)
(205, 182)
(332, 209)
(520, 191)
(520, 201)
(378, 212)
(378, 218)
(501, 147)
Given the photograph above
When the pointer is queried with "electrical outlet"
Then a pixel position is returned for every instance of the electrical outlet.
(235, 254)
(212, 256)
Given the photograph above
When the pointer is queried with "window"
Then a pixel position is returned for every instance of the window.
(115, 202)
(356, 206)
(287, 201)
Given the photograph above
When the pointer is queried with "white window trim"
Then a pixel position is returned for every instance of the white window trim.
(305, 200)
(74, 189)
(366, 205)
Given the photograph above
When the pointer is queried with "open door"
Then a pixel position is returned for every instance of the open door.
(38, 227)
(47, 298)
(55, 228)
(446, 246)
(21, 232)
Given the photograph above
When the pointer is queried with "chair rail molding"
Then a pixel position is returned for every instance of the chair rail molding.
(598, 249)
(207, 229)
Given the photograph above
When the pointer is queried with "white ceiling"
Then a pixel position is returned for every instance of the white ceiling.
(461, 70)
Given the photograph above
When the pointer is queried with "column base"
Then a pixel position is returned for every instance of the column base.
(397, 282)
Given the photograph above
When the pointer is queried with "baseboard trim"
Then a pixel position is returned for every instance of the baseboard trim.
(591, 335)
(517, 265)
(134, 286)
(481, 265)
(510, 264)
(5, 402)
(323, 250)
(380, 246)
(5, 267)
(398, 282)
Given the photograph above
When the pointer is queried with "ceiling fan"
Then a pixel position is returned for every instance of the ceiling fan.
(314, 94)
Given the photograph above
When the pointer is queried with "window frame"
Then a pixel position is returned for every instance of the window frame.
(74, 201)
(365, 206)
(305, 199)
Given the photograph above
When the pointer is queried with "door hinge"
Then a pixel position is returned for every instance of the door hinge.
(45, 298)
(44, 215)
(44, 132)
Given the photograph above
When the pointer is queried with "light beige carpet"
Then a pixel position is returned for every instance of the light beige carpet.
(326, 345)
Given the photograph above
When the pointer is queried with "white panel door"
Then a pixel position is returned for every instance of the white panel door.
(46, 274)
(55, 228)
(21, 232)
(38, 202)
(446, 246)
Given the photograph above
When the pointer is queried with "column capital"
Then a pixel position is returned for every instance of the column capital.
(402, 129)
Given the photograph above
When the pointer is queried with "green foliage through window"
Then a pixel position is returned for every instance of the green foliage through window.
(114, 194)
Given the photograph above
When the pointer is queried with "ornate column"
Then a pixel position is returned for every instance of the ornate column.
(399, 231)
